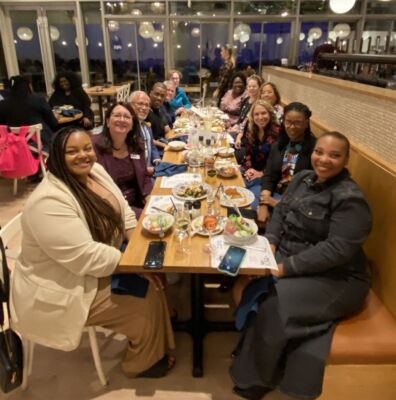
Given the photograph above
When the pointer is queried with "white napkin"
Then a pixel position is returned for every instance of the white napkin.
(258, 253)
(162, 202)
(169, 182)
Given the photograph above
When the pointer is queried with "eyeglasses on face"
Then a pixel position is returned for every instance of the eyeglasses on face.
(121, 116)
(297, 124)
(142, 105)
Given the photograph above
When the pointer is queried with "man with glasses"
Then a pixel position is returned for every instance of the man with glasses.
(140, 103)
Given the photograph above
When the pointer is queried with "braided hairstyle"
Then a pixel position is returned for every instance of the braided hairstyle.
(105, 224)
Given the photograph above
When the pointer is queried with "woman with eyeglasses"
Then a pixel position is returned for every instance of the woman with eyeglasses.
(121, 152)
(291, 154)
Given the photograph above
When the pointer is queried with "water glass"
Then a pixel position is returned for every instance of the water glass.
(182, 226)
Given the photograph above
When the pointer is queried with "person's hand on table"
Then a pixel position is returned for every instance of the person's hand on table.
(262, 215)
(150, 171)
(180, 110)
(155, 279)
(252, 174)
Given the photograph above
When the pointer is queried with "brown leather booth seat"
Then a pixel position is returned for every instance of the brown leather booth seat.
(368, 337)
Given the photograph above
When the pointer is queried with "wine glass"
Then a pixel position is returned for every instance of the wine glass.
(182, 225)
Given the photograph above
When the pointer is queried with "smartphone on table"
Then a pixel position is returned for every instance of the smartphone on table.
(155, 255)
(232, 260)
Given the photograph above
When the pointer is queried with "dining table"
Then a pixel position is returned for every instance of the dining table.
(62, 120)
(196, 262)
(100, 92)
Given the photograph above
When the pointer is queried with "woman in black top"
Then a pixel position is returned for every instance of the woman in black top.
(68, 91)
(22, 107)
(291, 154)
(225, 73)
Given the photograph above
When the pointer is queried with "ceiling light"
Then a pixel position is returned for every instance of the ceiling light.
(341, 6)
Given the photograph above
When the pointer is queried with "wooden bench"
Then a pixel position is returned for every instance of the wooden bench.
(362, 361)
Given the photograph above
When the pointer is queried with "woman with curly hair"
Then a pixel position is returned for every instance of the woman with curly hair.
(68, 91)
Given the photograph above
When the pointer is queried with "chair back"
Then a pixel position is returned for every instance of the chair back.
(34, 134)
(123, 93)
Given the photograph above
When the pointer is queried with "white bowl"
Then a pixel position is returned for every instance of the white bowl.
(152, 223)
(225, 151)
(238, 240)
(176, 145)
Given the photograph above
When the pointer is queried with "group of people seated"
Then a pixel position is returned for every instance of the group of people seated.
(315, 217)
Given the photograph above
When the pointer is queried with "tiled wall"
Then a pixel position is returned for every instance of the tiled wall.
(365, 119)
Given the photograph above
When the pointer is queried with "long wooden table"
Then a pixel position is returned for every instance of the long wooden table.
(196, 262)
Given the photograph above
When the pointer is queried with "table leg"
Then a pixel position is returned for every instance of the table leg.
(197, 323)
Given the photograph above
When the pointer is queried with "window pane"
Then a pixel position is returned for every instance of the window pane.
(376, 34)
(28, 48)
(247, 51)
(265, 7)
(135, 8)
(312, 35)
(323, 7)
(95, 49)
(64, 42)
(276, 42)
(186, 39)
(381, 7)
(207, 8)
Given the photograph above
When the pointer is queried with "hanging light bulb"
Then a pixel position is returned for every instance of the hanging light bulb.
(341, 6)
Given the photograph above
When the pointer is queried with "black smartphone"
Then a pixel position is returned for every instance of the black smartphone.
(232, 260)
(155, 255)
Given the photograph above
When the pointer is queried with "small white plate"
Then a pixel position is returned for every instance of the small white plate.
(176, 145)
(198, 228)
(225, 151)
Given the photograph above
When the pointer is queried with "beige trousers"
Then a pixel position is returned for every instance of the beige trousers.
(145, 322)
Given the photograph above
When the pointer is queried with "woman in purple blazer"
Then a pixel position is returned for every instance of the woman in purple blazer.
(121, 152)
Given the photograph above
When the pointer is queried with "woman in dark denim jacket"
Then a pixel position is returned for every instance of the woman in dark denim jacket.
(316, 232)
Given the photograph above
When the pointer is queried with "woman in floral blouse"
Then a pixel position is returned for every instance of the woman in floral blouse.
(257, 141)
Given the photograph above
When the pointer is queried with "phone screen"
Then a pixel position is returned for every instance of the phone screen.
(232, 260)
(155, 255)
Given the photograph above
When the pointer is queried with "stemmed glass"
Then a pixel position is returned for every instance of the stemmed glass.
(182, 224)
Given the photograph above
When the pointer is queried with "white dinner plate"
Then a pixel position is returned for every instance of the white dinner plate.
(245, 198)
(197, 226)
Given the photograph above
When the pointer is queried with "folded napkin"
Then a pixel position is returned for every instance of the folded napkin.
(129, 284)
(169, 169)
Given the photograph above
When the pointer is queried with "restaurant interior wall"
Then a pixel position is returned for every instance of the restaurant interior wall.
(116, 49)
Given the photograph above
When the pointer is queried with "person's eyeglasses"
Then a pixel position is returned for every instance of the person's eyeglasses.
(142, 105)
(297, 124)
(122, 116)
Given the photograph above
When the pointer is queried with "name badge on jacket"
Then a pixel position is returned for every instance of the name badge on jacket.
(135, 156)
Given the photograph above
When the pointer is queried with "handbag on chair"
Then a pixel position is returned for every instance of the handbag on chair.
(16, 160)
(11, 353)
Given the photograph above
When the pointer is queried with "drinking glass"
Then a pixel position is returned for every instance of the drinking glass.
(210, 221)
(182, 225)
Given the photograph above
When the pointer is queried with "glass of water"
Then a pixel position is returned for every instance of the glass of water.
(182, 225)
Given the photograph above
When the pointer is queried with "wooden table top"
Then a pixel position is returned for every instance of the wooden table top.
(197, 261)
(102, 91)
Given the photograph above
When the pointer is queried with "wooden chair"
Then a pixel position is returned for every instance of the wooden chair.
(34, 134)
(8, 233)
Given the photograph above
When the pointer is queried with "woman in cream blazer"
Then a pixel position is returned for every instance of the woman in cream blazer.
(61, 280)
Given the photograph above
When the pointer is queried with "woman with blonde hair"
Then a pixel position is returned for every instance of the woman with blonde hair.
(257, 141)
(180, 101)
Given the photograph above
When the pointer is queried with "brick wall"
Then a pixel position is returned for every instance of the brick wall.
(363, 118)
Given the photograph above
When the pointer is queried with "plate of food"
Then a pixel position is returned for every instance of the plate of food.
(239, 230)
(198, 227)
(176, 145)
(226, 168)
(236, 196)
(158, 223)
(225, 152)
(191, 191)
